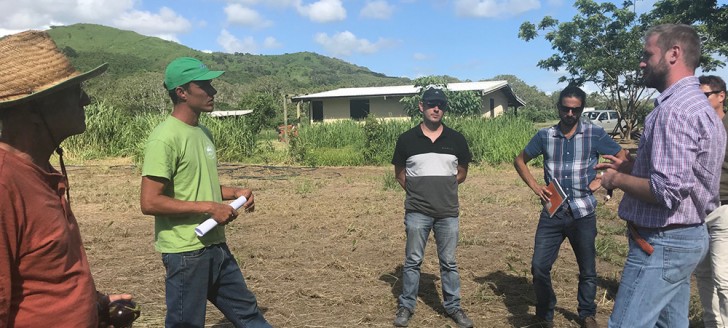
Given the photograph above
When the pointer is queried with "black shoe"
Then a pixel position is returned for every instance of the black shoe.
(461, 319)
(538, 322)
(590, 322)
(402, 318)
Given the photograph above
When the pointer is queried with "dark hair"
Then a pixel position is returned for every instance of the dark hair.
(669, 35)
(715, 82)
(572, 91)
(173, 93)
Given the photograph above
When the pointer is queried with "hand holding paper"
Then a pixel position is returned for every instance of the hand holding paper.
(557, 198)
(210, 223)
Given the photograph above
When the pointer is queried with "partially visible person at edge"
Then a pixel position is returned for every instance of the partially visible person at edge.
(711, 274)
(180, 187)
(570, 152)
(430, 161)
(670, 187)
(45, 279)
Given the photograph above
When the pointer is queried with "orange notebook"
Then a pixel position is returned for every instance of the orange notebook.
(558, 197)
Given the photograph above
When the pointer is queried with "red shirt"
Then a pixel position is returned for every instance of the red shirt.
(45, 278)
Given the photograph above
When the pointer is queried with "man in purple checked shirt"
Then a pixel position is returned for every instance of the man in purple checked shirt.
(670, 187)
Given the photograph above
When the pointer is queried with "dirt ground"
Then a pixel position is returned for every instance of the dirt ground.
(325, 247)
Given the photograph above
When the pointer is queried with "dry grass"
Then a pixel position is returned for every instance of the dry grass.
(325, 247)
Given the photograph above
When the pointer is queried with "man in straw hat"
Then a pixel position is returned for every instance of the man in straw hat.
(44, 273)
(180, 187)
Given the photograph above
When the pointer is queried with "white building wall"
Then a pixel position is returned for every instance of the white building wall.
(386, 108)
(336, 109)
(500, 102)
(339, 108)
(390, 108)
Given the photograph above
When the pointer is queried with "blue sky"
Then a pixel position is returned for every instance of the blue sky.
(467, 39)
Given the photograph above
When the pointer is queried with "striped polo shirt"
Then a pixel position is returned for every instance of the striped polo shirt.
(431, 170)
(571, 160)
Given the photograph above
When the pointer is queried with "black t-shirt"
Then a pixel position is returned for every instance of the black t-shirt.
(431, 170)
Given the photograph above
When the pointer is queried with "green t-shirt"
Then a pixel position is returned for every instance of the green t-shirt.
(184, 155)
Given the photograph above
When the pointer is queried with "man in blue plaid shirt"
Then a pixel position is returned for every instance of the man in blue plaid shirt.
(570, 150)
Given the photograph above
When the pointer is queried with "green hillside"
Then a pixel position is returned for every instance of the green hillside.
(130, 53)
(133, 82)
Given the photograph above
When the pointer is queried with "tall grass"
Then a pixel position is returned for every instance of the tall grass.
(495, 141)
(491, 141)
(112, 133)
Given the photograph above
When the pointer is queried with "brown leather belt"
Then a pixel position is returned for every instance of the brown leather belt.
(667, 227)
(642, 243)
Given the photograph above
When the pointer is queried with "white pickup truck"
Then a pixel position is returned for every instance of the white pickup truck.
(606, 118)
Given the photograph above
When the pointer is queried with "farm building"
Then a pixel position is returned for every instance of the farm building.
(383, 102)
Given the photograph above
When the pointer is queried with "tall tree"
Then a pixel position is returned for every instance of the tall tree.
(602, 45)
(710, 19)
(534, 97)
(461, 103)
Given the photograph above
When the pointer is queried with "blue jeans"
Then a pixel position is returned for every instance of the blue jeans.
(417, 227)
(655, 289)
(550, 234)
(210, 273)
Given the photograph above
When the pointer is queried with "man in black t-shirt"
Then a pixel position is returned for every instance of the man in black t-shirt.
(430, 161)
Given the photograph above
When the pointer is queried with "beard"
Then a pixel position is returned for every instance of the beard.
(654, 77)
(569, 121)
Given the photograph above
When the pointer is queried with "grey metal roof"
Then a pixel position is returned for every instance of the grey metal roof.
(484, 87)
(226, 113)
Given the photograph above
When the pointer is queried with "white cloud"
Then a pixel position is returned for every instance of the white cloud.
(494, 8)
(420, 56)
(237, 14)
(271, 42)
(323, 11)
(41, 14)
(22, 15)
(378, 9)
(166, 24)
(232, 44)
(346, 43)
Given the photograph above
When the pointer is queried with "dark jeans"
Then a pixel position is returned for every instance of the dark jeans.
(550, 233)
(210, 274)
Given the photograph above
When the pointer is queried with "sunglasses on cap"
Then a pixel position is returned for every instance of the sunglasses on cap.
(567, 109)
(707, 94)
(440, 104)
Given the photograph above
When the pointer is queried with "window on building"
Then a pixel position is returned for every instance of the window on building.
(359, 108)
(317, 111)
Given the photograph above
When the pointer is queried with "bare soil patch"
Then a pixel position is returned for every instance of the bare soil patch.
(325, 247)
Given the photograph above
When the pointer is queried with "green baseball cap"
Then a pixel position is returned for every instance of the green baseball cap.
(186, 69)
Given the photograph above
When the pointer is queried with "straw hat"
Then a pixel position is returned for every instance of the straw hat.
(33, 66)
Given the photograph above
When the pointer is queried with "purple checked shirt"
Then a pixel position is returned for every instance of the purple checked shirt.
(680, 152)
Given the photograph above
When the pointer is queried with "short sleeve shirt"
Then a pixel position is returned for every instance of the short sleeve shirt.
(571, 161)
(431, 170)
(185, 156)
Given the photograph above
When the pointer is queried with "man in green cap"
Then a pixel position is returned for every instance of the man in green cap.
(180, 187)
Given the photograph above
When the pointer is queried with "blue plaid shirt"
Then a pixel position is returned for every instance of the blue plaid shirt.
(680, 152)
(571, 161)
